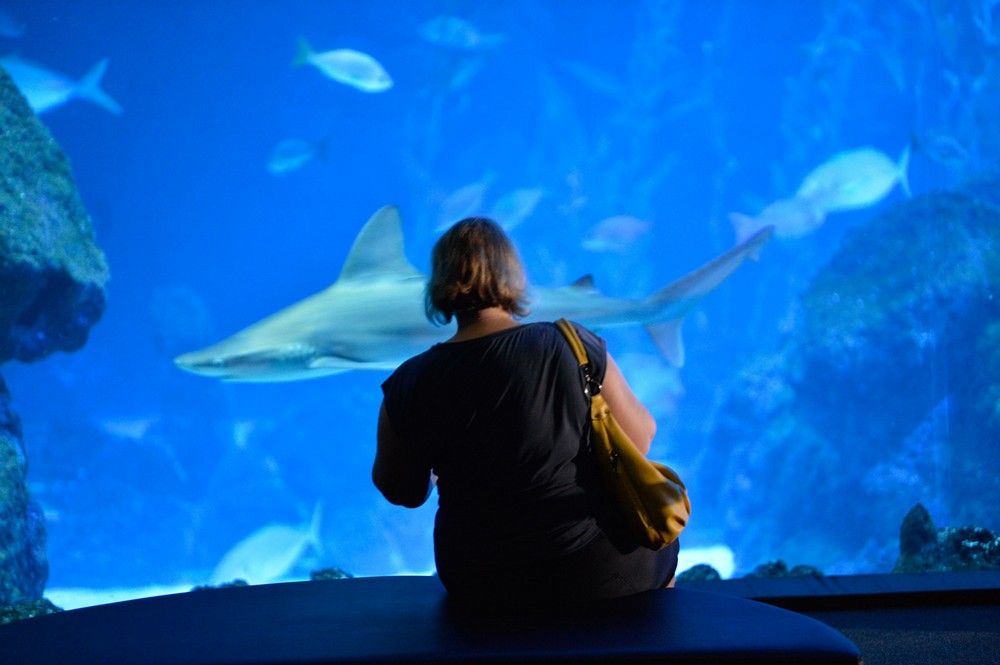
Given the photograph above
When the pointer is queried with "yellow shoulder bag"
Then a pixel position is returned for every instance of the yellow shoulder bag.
(651, 497)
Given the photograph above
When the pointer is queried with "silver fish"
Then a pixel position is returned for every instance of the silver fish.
(45, 89)
(354, 68)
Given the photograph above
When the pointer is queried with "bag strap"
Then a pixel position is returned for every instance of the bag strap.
(590, 385)
(569, 332)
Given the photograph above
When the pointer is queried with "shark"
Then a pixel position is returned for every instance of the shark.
(372, 317)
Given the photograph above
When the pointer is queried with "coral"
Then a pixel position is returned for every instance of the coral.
(53, 273)
(27, 610)
(881, 395)
(925, 548)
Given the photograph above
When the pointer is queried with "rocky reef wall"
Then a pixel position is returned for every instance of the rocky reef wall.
(885, 393)
(52, 290)
(51, 270)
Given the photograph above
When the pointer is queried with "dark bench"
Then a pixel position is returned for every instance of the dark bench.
(410, 619)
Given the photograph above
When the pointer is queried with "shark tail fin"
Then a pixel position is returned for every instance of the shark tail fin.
(743, 225)
(904, 167)
(667, 338)
(89, 88)
(303, 54)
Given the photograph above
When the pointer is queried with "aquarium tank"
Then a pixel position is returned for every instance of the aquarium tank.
(791, 210)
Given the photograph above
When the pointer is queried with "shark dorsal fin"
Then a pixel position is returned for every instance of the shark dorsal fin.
(378, 249)
(585, 282)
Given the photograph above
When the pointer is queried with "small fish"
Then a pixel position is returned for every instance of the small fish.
(943, 149)
(457, 33)
(10, 27)
(516, 206)
(134, 428)
(292, 154)
(354, 68)
(854, 179)
(45, 89)
(791, 218)
(615, 234)
(267, 554)
(465, 201)
(242, 431)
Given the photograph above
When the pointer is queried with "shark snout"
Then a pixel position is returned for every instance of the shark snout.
(199, 363)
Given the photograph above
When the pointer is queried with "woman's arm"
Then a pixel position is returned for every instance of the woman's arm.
(402, 477)
(629, 411)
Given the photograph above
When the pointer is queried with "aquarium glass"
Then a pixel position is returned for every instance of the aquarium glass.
(228, 153)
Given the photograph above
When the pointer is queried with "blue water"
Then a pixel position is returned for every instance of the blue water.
(672, 112)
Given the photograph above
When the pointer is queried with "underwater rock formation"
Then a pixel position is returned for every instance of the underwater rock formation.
(701, 572)
(780, 569)
(924, 548)
(53, 277)
(224, 585)
(23, 565)
(884, 393)
(53, 273)
(27, 610)
(329, 574)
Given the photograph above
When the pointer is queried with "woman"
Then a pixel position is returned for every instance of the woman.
(496, 415)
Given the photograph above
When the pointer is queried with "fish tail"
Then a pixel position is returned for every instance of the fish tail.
(904, 167)
(304, 53)
(89, 88)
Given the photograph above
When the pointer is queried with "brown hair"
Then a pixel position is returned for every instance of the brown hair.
(474, 265)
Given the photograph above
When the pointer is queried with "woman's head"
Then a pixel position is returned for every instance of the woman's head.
(474, 265)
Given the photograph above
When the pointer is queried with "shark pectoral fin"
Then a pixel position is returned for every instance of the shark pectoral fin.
(667, 338)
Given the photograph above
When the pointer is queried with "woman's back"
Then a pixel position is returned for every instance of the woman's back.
(501, 419)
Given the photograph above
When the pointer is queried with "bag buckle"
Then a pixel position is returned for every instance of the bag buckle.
(590, 386)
